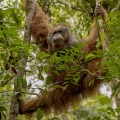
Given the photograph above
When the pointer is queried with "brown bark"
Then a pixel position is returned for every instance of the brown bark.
(116, 100)
(14, 109)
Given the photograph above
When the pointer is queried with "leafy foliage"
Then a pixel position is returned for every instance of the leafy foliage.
(78, 15)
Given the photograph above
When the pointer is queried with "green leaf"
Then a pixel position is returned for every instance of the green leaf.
(23, 81)
(4, 115)
(89, 56)
(3, 83)
(1, 14)
(49, 80)
(7, 77)
(17, 41)
(41, 77)
(65, 87)
(2, 108)
(42, 56)
(39, 114)
(96, 118)
(17, 83)
(112, 111)
(15, 17)
(57, 73)
(101, 110)
(34, 48)
(104, 100)
(26, 44)
(91, 82)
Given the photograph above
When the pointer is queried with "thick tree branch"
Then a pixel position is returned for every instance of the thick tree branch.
(14, 109)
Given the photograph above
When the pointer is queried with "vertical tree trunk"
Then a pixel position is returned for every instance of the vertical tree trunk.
(14, 109)
(116, 92)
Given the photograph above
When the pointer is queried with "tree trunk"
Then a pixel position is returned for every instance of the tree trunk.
(14, 109)
(116, 92)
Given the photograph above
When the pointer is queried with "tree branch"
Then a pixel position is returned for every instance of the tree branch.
(73, 7)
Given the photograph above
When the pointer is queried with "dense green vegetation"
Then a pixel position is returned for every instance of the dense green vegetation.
(78, 14)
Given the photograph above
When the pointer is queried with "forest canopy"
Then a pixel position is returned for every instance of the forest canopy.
(23, 67)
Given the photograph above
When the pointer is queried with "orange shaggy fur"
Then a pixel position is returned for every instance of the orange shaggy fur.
(59, 100)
